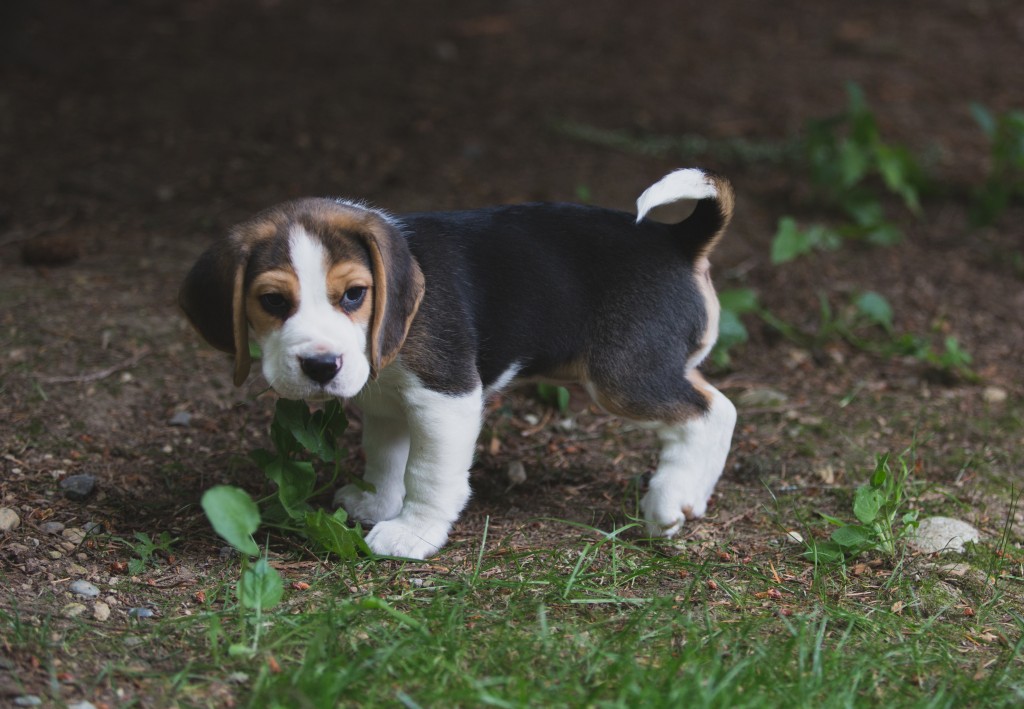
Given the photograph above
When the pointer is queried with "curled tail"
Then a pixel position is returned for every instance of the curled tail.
(707, 223)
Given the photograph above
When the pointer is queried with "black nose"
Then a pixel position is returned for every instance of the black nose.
(320, 368)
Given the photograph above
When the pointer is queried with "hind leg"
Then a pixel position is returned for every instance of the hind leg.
(693, 454)
(694, 422)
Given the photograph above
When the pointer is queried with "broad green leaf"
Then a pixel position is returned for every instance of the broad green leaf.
(881, 471)
(306, 428)
(985, 119)
(875, 308)
(334, 422)
(853, 162)
(852, 536)
(260, 586)
(898, 172)
(563, 399)
(789, 242)
(738, 300)
(867, 501)
(824, 553)
(883, 234)
(234, 516)
(295, 482)
(731, 332)
(333, 534)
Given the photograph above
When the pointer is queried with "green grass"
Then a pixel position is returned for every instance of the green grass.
(598, 622)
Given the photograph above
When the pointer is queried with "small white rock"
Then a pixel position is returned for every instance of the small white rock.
(101, 611)
(935, 534)
(9, 519)
(795, 536)
(994, 395)
(84, 588)
(516, 473)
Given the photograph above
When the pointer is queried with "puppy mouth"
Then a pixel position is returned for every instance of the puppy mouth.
(319, 396)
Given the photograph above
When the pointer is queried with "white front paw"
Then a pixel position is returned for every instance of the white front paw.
(410, 539)
(666, 513)
(367, 507)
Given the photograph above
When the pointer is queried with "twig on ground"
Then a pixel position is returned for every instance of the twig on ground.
(101, 373)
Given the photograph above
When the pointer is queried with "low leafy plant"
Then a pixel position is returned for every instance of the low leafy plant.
(848, 162)
(146, 550)
(301, 438)
(731, 330)
(1005, 180)
(553, 395)
(858, 324)
(882, 520)
(952, 360)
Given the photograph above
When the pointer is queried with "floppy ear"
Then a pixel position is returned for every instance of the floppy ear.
(213, 298)
(398, 288)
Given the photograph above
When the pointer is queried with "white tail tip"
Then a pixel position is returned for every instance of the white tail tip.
(689, 183)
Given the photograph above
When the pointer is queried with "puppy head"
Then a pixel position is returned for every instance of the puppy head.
(328, 289)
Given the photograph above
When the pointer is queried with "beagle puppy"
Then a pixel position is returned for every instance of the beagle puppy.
(418, 319)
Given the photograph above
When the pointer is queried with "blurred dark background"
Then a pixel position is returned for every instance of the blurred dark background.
(180, 116)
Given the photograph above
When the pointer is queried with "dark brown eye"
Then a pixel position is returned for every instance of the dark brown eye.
(275, 304)
(353, 298)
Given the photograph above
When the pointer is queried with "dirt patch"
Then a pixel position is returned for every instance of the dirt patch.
(133, 135)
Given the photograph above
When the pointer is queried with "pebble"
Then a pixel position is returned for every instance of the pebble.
(994, 395)
(74, 535)
(935, 534)
(516, 473)
(84, 588)
(27, 700)
(51, 527)
(180, 418)
(101, 611)
(78, 487)
(73, 610)
(9, 519)
(82, 705)
(132, 641)
(140, 613)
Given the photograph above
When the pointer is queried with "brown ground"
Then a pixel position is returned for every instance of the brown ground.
(132, 134)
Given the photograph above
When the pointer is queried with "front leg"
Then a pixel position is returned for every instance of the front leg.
(443, 432)
(386, 445)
